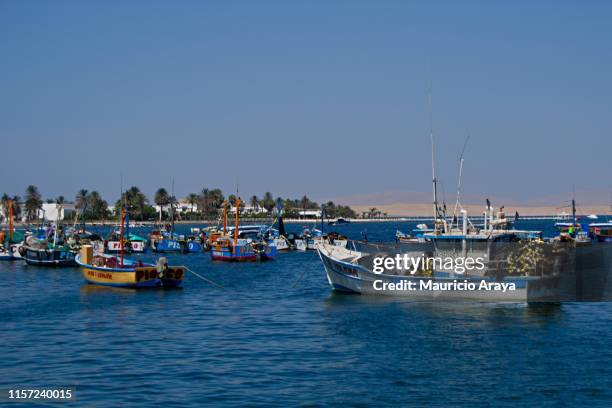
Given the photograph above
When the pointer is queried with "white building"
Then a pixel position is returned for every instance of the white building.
(54, 211)
(310, 213)
(249, 209)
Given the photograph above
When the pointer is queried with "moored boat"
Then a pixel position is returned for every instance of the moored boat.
(42, 253)
(132, 243)
(109, 270)
(236, 249)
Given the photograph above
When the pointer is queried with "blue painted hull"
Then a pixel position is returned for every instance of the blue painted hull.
(49, 257)
(242, 253)
(168, 245)
(193, 246)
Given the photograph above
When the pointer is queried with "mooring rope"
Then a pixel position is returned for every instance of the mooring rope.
(299, 278)
(204, 279)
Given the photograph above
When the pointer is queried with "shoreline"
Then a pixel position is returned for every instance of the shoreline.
(416, 218)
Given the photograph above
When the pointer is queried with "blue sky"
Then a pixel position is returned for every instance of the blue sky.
(325, 98)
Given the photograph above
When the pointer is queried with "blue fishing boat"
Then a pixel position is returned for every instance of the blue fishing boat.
(236, 249)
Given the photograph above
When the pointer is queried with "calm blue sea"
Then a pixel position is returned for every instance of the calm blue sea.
(276, 335)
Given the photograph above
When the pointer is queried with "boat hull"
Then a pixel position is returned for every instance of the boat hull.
(49, 257)
(242, 253)
(128, 247)
(349, 277)
(141, 277)
(12, 254)
(167, 245)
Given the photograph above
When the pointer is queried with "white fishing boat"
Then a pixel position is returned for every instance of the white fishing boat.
(351, 271)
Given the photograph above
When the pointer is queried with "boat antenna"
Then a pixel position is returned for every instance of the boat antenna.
(457, 202)
(433, 163)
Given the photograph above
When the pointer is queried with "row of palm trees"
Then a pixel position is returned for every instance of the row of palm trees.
(206, 204)
(30, 206)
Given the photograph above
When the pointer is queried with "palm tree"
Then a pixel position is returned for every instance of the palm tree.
(254, 201)
(305, 202)
(16, 207)
(81, 200)
(216, 198)
(268, 201)
(33, 202)
(162, 199)
(373, 212)
(98, 206)
(137, 200)
(204, 202)
(192, 198)
(60, 200)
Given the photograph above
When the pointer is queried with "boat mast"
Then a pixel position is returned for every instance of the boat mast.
(224, 217)
(172, 211)
(322, 217)
(10, 220)
(123, 212)
(59, 209)
(236, 226)
(122, 215)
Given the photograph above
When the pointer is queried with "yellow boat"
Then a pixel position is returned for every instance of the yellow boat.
(108, 270)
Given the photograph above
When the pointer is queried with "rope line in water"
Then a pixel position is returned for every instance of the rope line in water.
(204, 279)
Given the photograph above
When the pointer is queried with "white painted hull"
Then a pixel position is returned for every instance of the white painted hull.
(281, 244)
(301, 245)
(12, 253)
(345, 276)
(136, 246)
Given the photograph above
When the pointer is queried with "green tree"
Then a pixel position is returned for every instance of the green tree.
(81, 200)
(17, 207)
(267, 201)
(135, 202)
(98, 207)
(192, 199)
(33, 202)
(254, 202)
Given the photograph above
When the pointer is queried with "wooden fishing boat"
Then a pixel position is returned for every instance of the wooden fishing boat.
(108, 270)
(240, 249)
(55, 256)
(46, 252)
